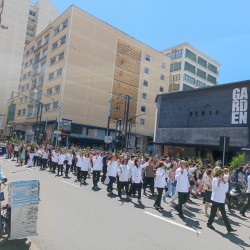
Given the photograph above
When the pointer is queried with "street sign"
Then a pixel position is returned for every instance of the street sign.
(108, 139)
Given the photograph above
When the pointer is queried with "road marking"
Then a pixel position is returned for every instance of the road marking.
(174, 223)
(70, 184)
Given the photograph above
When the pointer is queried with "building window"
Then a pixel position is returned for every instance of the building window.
(41, 80)
(175, 54)
(143, 108)
(32, 49)
(30, 110)
(144, 96)
(37, 58)
(47, 107)
(174, 78)
(76, 129)
(190, 55)
(201, 73)
(146, 70)
(189, 67)
(65, 24)
(53, 61)
(161, 89)
(202, 62)
(162, 77)
(24, 76)
(57, 89)
(43, 66)
(27, 86)
(55, 105)
(24, 112)
(142, 121)
(49, 91)
(29, 73)
(200, 84)
(189, 79)
(147, 58)
(33, 84)
(26, 65)
(59, 72)
(63, 40)
(54, 45)
(51, 75)
(212, 68)
(46, 39)
(39, 44)
(175, 66)
(211, 79)
(45, 53)
(163, 65)
(19, 112)
(56, 31)
(145, 83)
(61, 56)
(30, 62)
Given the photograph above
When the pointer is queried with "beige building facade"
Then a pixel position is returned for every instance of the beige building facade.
(190, 68)
(103, 81)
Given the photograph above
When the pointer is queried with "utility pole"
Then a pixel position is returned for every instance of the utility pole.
(128, 98)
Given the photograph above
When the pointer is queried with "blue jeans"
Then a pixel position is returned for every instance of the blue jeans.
(171, 189)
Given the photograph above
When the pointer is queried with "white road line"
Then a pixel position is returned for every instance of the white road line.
(174, 223)
(70, 184)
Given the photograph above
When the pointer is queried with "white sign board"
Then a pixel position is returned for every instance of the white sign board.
(108, 139)
(24, 199)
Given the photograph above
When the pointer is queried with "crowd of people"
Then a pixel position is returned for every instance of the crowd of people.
(164, 178)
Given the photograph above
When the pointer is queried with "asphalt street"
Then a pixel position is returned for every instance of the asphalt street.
(78, 218)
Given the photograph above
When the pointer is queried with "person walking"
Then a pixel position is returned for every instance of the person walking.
(112, 173)
(60, 162)
(247, 205)
(68, 162)
(85, 168)
(97, 167)
(219, 189)
(182, 187)
(149, 178)
(160, 184)
(124, 176)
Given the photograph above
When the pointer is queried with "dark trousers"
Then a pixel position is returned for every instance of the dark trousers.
(247, 205)
(123, 184)
(104, 173)
(67, 170)
(44, 163)
(78, 176)
(84, 175)
(35, 160)
(96, 177)
(214, 208)
(110, 185)
(149, 181)
(134, 187)
(60, 169)
(182, 199)
(159, 196)
(54, 165)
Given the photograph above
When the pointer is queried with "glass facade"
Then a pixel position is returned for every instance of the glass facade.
(189, 67)
(211, 79)
(190, 55)
(201, 74)
(175, 66)
(202, 62)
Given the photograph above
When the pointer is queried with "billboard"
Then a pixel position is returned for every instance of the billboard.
(65, 125)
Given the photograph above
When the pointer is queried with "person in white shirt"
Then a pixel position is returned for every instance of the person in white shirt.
(124, 176)
(85, 168)
(160, 183)
(112, 170)
(45, 157)
(31, 156)
(68, 161)
(79, 161)
(182, 187)
(54, 159)
(97, 167)
(247, 205)
(219, 189)
(61, 162)
(36, 156)
(137, 177)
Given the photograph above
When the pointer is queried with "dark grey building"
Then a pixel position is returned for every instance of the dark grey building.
(192, 122)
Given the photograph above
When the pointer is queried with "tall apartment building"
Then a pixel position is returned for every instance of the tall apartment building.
(22, 20)
(91, 70)
(190, 68)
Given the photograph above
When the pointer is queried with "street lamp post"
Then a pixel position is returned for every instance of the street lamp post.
(59, 112)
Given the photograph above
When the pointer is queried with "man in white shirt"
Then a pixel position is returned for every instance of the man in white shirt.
(97, 167)
(182, 187)
(219, 189)
(247, 205)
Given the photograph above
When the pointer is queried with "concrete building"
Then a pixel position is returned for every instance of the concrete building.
(192, 122)
(190, 68)
(97, 75)
(21, 21)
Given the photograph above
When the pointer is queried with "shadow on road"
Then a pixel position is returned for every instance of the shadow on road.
(16, 245)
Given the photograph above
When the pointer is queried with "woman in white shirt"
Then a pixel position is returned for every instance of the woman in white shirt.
(68, 161)
(124, 176)
(160, 183)
(137, 177)
(85, 168)
(219, 189)
(61, 162)
(247, 205)
(112, 173)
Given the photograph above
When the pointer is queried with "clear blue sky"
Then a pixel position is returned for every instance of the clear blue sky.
(219, 28)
